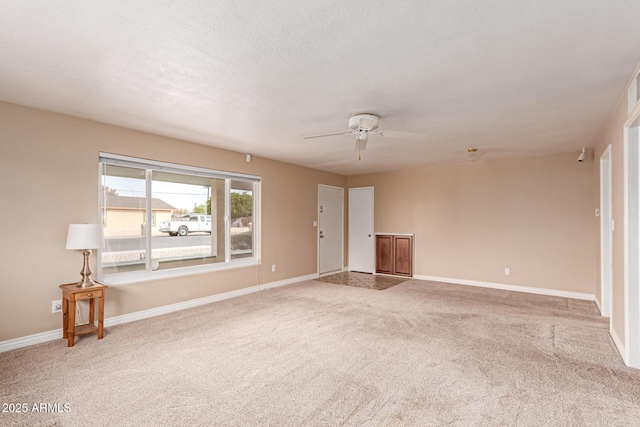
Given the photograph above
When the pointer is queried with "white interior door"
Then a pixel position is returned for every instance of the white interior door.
(361, 234)
(330, 229)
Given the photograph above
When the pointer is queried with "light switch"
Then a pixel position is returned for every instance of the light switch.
(315, 223)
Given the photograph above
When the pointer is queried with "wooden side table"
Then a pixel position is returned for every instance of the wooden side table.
(70, 294)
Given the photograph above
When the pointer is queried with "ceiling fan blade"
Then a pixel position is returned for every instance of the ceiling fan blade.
(327, 134)
(400, 135)
(361, 145)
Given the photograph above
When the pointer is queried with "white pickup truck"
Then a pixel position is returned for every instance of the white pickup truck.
(187, 224)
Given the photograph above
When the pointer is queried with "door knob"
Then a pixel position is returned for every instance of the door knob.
(369, 235)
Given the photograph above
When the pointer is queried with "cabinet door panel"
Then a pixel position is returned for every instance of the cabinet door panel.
(403, 256)
(384, 254)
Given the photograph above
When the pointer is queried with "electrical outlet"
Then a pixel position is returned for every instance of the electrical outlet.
(273, 268)
(507, 271)
(56, 306)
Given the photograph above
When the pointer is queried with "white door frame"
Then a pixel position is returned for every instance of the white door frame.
(341, 227)
(606, 236)
(631, 156)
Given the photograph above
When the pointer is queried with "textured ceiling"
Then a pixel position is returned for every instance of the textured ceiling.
(511, 78)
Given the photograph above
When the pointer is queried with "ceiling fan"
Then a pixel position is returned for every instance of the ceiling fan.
(362, 125)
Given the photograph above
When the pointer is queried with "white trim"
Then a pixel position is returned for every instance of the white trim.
(118, 279)
(506, 287)
(618, 343)
(166, 309)
(625, 237)
(227, 220)
(136, 162)
(148, 228)
(288, 281)
(599, 305)
(329, 273)
(55, 334)
(606, 235)
(30, 340)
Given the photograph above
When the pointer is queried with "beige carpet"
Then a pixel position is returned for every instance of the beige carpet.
(419, 353)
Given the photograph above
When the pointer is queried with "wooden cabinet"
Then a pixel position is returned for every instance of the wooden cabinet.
(394, 254)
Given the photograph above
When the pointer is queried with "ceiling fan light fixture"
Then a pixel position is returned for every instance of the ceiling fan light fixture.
(472, 154)
(363, 136)
(361, 122)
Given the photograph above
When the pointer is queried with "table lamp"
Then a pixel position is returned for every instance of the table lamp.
(85, 237)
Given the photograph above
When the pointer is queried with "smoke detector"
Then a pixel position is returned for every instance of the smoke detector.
(472, 154)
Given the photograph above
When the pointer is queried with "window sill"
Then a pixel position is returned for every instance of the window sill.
(146, 276)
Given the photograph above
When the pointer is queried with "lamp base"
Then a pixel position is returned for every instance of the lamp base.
(86, 281)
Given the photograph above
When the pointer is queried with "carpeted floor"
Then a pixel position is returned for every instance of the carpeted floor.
(314, 353)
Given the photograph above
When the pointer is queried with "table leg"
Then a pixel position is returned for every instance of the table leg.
(101, 316)
(72, 322)
(65, 317)
(92, 305)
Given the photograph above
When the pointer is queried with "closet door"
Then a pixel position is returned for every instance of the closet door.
(361, 241)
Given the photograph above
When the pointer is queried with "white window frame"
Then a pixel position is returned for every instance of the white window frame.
(151, 165)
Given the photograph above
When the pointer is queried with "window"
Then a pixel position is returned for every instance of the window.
(162, 219)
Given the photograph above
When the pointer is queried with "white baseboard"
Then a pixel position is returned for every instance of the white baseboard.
(598, 304)
(505, 287)
(618, 342)
(166, 309)
(30, 340)
(329, 273)
(55, 334)
(288, 281)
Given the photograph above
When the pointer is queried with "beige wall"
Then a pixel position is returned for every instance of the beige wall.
(613, 134)
(533, 215)
(49, 176)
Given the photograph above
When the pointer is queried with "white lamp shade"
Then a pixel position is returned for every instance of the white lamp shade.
(85, 236)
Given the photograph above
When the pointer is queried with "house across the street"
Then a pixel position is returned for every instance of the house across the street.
(125, 216)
